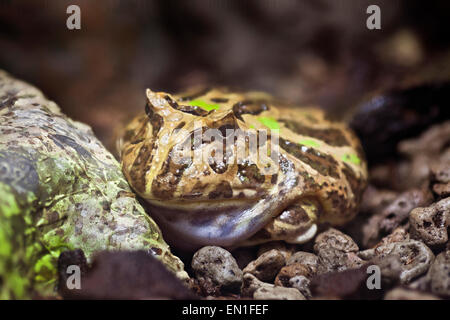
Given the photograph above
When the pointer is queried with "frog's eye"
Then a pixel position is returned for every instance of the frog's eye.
(205, 106)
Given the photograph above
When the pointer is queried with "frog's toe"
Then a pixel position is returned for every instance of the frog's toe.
(305, 236)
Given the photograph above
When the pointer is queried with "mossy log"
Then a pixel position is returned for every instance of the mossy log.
(60, 189)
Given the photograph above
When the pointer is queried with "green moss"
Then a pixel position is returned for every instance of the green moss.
(18, 284)
(45, 268)
(8, 204)
(12, 246)
(5, 246)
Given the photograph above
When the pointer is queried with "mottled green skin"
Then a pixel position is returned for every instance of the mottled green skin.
(60, 189)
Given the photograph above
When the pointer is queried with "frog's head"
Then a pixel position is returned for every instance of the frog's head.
(200, 196)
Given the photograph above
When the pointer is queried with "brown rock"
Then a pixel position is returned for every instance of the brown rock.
(308, 259)
(128, 275)
(347, 284)
(267, 265)
(290, 271)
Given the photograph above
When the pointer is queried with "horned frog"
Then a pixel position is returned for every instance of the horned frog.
(319, 178)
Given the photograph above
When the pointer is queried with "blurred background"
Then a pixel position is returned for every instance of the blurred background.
(310, 51)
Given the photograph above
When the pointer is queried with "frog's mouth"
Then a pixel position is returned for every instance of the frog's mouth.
(225, 223)
(191, 228)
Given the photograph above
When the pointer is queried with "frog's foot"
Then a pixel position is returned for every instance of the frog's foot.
(296, 224)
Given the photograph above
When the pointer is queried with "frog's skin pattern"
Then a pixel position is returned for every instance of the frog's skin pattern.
(60, 189)
(322, 172)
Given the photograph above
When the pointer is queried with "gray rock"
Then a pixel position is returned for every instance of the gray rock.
(335, 239)
(301, 283)
(267, 265)
(390, 268)
(252, 287)
(439, 275)
(277, 293)
(414, 257)
(398, 235)
(362, 229)
(216, 270)
(397, 212)
(430, 224)
(250, 284)
(392, 216)
(420, 284)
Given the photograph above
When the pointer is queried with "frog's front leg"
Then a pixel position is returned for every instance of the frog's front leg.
(296, 224)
